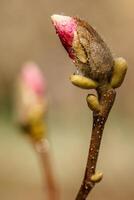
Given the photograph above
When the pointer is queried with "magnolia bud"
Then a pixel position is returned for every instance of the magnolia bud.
(31, 99)
(85, 47)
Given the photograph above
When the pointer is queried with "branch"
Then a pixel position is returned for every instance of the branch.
(42, 149)
(106, 100)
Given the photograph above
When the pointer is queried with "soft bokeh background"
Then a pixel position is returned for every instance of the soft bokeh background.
(26, 33)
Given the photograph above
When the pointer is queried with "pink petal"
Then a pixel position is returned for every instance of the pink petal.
(33, 78)
(65, 27)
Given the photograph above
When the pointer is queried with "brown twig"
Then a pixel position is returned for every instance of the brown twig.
(106, 100)
(42, 148)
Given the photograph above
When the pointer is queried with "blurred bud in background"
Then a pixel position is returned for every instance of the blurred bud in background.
(31, 100)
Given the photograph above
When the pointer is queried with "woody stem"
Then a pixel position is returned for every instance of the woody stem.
(106, 100)
(41, 147)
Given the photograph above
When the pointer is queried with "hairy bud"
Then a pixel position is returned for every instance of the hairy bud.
(31, 101)
(86, 48)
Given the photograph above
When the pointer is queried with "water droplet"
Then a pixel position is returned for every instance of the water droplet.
(77, 71)
(69, 30)
(64, 23)
(86, 187)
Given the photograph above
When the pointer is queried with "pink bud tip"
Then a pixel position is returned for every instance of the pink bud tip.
(33, 78)
(65, 27)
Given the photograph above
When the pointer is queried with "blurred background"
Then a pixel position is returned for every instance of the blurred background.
(26, 34)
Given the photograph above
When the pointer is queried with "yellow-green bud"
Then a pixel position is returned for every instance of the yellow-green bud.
(93, 102)
(83, 82)
(97, 177)
(120, 69)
